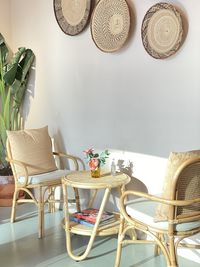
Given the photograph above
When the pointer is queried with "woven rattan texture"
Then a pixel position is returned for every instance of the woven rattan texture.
(110, 24)
(72, 16)
(188, 186)
(162, 30)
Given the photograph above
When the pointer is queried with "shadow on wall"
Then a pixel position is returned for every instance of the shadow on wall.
(30, 92)
(60, 147)
(128, 168)
(146, 171)
(125, 168)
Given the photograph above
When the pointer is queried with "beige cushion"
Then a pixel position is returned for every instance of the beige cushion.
(174, 161)
(32, 147)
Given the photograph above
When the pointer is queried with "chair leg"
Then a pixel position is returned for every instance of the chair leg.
(119, 243)
(172, 252)
(61, 199)
(40, 214)
(14, 204)
(51, 197)
(157, 249)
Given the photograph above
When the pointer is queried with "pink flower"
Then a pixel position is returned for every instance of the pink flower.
(93, 164)
(88, 151)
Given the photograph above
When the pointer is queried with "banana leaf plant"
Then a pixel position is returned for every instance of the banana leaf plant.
(13, 83)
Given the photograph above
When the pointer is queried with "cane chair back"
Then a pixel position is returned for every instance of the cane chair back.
(38, 188)
(187, 189)
(183, 219)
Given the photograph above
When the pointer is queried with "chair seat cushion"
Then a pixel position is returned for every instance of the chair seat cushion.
(143, 210)
(44, 177)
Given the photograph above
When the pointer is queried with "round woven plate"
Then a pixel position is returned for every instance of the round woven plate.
(72, 15)
(110, 24)
(162, 30)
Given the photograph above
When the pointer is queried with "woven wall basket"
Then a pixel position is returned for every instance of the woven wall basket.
(162, 30)
(72, 15)
(110, 24)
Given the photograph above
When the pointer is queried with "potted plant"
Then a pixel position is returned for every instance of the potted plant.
(13, 83)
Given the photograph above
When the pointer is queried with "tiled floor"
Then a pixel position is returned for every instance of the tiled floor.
(20, 247)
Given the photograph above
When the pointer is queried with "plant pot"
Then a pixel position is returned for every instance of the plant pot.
(7, 188)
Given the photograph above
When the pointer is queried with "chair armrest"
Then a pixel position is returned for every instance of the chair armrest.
(75, 159)
(24, 168)
(122, 203)
(159, 199)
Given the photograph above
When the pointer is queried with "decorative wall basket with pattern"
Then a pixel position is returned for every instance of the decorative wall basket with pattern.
(162, 30)
(72, 15)
(110, 24)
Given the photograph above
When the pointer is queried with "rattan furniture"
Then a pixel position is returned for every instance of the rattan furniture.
(43, 185)
(83, 180)
(183, 214)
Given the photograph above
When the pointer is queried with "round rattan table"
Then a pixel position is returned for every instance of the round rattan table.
(83, 180)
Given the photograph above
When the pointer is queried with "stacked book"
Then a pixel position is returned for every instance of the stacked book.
(88, 217)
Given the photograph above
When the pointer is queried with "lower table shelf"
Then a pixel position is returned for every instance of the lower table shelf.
(104, 230)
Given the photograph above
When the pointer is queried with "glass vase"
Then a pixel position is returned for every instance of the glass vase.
(96, 173)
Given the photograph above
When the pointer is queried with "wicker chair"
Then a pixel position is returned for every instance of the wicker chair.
(39, 189)
(183, 216)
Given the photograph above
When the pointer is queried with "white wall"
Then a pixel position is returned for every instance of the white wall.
(5, 22)
(126, 100)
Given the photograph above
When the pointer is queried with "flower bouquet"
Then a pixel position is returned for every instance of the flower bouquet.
(95, 160)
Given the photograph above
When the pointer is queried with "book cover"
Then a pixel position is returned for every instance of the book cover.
(90, 224)
(90, 215)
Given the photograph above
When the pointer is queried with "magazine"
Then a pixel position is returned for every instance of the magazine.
(90, 224)
(91, 214)
(88, 217)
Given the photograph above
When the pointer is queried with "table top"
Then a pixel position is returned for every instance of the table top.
(83, 179)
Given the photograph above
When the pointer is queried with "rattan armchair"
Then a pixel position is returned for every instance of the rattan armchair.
(183, 216)
(39, 189)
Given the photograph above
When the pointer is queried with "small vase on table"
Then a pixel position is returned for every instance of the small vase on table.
(96, 173)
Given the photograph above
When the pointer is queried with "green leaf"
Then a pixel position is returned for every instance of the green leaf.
(104, 154)
(10, 75)
(107, 152)
(26, 63)
(6, 111)
(14, 122)
(2, 41)
(3, 137)
(19, 90)
(2, 94)
(3, 134)
(3, 50)
(13, 84)
(14, 68)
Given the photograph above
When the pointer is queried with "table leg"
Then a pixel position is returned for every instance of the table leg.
(77, 199)
(121, 227)
(94, 230)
